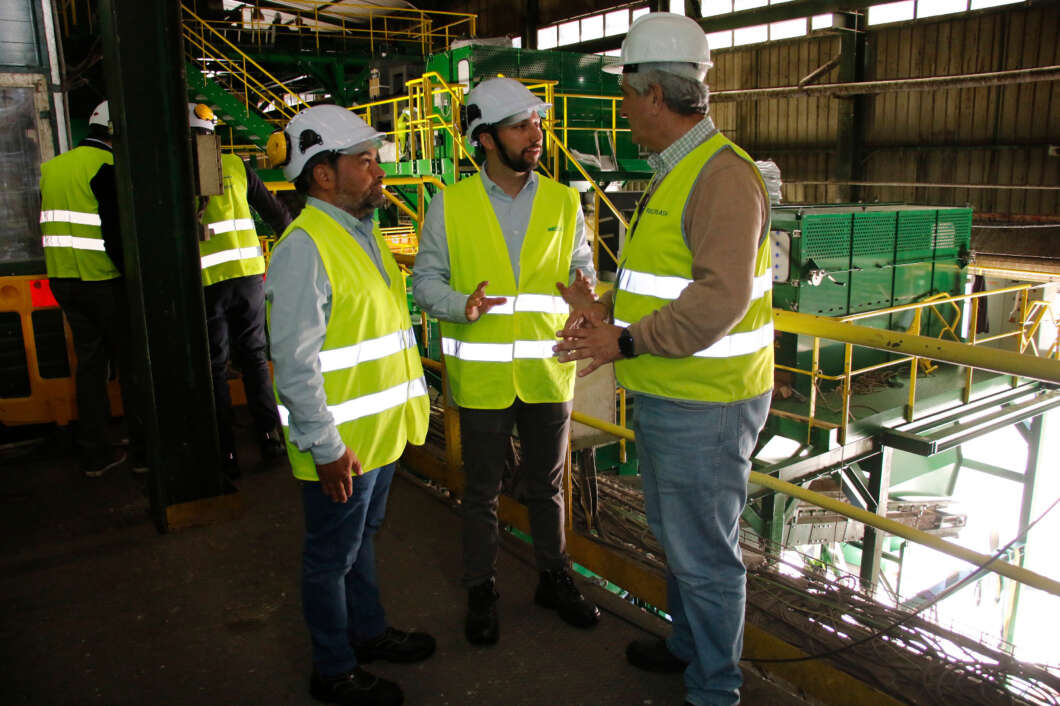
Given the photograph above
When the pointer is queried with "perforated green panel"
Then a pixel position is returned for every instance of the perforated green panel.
(874, 234)
(915, 235)
(826, 239)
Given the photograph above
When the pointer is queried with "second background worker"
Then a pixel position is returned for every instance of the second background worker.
(517, 233)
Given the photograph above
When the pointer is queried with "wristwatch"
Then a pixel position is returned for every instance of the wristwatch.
(625, 343)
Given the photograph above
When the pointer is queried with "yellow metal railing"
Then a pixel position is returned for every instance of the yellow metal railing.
(1012, 571)
(228, 65)
(1033, 314)
(428, 30)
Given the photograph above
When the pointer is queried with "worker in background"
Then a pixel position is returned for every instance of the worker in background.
(234, 295)
(348, 376)
(516, 233)
(81, 235)
(690, 331)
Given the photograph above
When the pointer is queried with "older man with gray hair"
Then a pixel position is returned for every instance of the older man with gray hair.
(689, 328)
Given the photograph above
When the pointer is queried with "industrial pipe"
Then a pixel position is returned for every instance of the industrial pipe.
(859, 88)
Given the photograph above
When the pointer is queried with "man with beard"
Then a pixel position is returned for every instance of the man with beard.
(351, 393)
(522, 232)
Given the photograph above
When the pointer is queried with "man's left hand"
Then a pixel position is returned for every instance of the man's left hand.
(599, 342)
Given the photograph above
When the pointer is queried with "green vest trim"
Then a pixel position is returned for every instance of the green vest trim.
(508, 351)
(71, 229)
(373, 379)
(233, 249)
(656, 267)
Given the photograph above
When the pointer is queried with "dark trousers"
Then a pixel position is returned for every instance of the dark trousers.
(340, 594)
(235, 321)
(485, 435)
(99, 320)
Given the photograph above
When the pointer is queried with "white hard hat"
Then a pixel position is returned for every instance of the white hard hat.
(101, 116)
(664, 37)
(496, 99)
(201, 115)
(322, 128)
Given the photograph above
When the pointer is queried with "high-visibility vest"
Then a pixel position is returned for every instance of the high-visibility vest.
(508, 350)
(71, 229)
(656, 267)
(373, 379)
(233, 249)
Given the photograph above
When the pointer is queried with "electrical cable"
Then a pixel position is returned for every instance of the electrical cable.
(944, 594)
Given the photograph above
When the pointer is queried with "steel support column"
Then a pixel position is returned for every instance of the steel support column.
(852, 59)
(144, 67)
(1031, 481)
(879, 487)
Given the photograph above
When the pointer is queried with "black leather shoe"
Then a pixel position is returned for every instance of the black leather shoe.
(395, 646)
(652, 655)
(556, 590)
(482, 626)
(355, 688)
(273, 447)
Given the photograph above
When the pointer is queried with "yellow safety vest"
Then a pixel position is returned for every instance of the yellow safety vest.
(373, 379)
(657, 266)
(233, 249)
(71, 229)
(508, 351)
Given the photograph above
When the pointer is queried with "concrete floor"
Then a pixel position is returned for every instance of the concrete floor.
(98, 608)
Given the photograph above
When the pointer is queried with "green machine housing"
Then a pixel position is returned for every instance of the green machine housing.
(840, 260)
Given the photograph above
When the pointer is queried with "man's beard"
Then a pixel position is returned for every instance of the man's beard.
(520, 163)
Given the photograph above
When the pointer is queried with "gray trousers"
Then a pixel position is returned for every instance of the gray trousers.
(486, 436)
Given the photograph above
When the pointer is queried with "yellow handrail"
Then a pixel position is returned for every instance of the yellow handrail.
(1016, 573)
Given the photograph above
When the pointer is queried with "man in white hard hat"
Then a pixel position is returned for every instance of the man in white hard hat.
(517, 233)
(352, 393)
(690, 330)
(81, 234)
(234, 296)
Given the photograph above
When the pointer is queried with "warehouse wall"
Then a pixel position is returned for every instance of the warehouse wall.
(993, 135)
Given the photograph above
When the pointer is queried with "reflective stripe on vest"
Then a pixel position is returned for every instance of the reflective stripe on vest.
(79, 217)
(372, 378)
(232, 255)
(230, 225)
(70, 224)
(371, 404)
(374, 349)
(671, 287)
(233, 249)
(69, 241)
(507, 352)
(497, 352)
(656, 268)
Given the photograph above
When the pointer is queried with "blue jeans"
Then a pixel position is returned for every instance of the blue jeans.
(695, 460)
(340, 595)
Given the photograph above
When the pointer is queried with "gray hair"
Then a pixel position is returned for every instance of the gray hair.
(682, 95)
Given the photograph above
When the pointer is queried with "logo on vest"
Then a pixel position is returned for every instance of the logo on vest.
(552, 229)
(655, 212)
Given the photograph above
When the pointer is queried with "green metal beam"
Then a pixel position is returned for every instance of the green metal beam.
(144, 60)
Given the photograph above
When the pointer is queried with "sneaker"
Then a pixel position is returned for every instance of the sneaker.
(355, 688)
(230, 466)
(95, 470)
(556, 590)
(482, 626)
(395, 646)
(652, 655)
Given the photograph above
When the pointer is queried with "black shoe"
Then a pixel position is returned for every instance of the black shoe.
(482, 626)
(395, 646)
(355, 688)
(556, 590)
(273, 447)
(115, 457)
(652, 655)
(230, 466)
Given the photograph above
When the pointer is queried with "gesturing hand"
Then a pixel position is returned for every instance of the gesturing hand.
(335, 478)
(585, 310)
(598, 341)
(478, 303)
